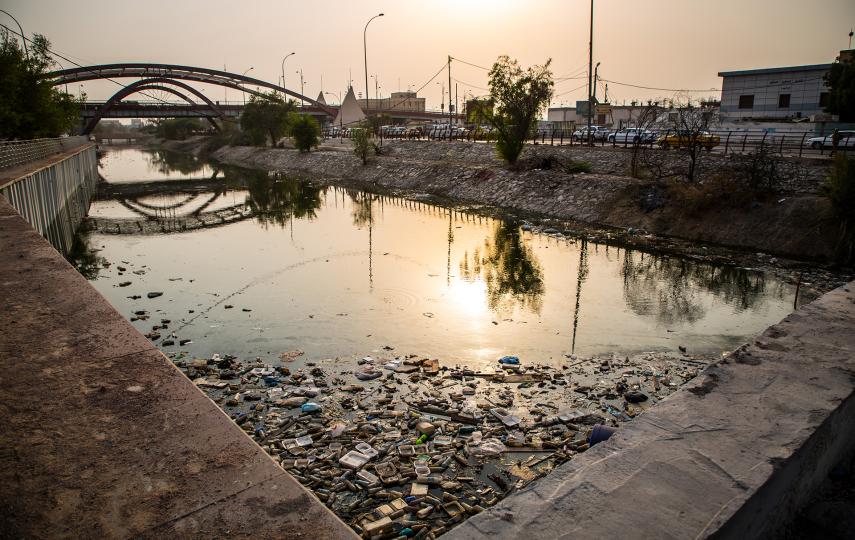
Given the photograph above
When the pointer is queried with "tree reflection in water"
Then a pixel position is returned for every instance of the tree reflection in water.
(362, 210)
(509, 268)
(84, 257)
(670, 288)
(166, 162)
(275, 200)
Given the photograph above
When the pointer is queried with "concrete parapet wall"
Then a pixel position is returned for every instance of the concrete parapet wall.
(732, 455)
(103, 437)
(53, 194)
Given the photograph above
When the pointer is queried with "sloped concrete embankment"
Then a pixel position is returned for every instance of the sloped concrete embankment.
(797, 224)
(103, 437)
(735, 454)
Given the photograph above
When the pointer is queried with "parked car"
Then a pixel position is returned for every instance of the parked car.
(847, 140)
(632, 136)
(598, 133)
(685, 139)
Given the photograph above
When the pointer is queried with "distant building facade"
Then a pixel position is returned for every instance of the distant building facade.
(398, 101)
(775, 93)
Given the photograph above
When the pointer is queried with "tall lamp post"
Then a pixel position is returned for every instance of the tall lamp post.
(283, 68)
(24, 38)
(244, 74)
(365, 53)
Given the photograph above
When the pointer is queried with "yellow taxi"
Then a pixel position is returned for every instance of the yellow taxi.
(686, 139)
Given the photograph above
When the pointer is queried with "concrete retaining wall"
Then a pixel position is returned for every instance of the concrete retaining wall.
(53, 194)
(103, 437)
(735, 454)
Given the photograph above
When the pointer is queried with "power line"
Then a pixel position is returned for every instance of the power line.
(464, 83)
(583, 85)
(660, 89)
(470, 64)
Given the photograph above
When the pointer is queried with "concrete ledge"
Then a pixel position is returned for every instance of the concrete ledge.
(732, 455)
(102, 437)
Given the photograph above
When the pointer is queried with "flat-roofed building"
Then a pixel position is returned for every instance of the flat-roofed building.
(774, 93)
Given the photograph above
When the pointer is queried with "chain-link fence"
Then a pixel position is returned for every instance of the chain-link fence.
(14, 153)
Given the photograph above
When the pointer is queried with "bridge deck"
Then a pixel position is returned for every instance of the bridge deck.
(104, 438)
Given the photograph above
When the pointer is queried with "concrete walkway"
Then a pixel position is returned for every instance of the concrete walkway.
(734, 454)
(102, 437)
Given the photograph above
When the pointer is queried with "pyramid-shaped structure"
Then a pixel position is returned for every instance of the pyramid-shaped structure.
(321, 98)
(349, 113)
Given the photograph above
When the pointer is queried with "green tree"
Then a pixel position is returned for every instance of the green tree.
(841, 83)
(305, 131)
(30, 106)
(266, 116)
(518, 96)
(361, 144)
(178, 129)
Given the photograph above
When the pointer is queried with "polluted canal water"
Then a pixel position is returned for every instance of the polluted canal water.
(409, 362)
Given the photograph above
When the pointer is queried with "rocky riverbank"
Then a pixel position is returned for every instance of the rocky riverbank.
(795, 222)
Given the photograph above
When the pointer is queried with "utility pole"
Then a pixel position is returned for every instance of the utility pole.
(450, 112)
(455, 98)
(590, 69)
(596, 70)
(302, 104)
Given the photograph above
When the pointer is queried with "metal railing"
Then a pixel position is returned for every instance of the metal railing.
(782, 143)
(14, 153)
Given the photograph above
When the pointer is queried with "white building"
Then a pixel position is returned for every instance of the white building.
(775, 93)
(605, 114)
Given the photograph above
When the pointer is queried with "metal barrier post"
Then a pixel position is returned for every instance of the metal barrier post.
(727, 142)
(744, 140)
(781, 148)
(802, 144)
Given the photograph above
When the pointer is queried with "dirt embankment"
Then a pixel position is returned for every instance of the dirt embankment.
(795, 223)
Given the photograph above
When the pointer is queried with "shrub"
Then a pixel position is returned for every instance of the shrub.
(841, 191)
(578, 167)
(305, 131)
(361, 144)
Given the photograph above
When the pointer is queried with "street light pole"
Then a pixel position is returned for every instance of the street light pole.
(365, 54)
(283, 68)
(24, 38)
(244, 74)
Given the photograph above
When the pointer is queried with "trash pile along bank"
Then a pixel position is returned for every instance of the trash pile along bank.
(405, 447)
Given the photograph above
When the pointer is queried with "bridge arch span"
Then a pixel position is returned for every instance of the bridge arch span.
(173, 71)
(152, 84)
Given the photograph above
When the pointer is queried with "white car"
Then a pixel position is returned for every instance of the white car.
(847, 140)
(598, 133)
(632, 136)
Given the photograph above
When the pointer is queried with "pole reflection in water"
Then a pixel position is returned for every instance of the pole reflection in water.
(581, 275)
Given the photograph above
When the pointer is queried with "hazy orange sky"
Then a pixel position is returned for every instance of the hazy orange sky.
(669, 44)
